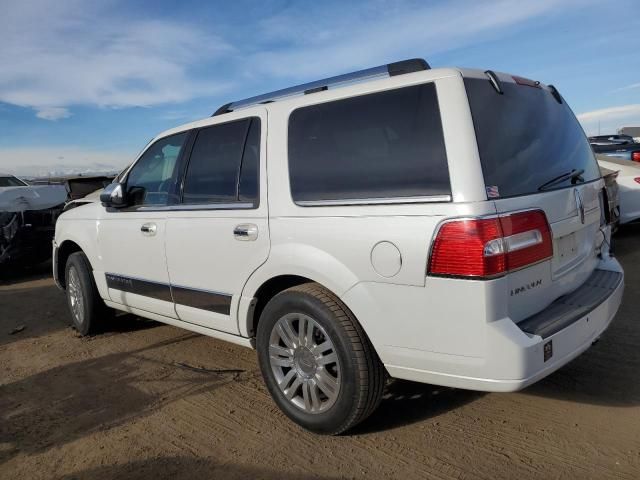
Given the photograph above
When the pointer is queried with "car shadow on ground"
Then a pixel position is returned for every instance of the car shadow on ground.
(406, 402)
(29, 312)
(14, 273)
(65, 403)
(30, 308)
(184, 468)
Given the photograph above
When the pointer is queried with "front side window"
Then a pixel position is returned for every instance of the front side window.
(152, 178)
(223, 167)
(377, 146)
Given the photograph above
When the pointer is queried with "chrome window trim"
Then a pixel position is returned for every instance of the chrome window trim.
(198, 207)
(374, 201)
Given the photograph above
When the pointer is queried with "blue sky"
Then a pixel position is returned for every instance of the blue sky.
(85, 85)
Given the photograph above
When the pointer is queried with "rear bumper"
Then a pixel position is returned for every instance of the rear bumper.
(513, 356)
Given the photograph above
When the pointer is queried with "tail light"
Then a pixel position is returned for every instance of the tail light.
(490, 247)
(637, 179)
(635, 156)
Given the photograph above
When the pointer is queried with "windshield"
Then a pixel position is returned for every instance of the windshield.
(11, 182)
(526, 139)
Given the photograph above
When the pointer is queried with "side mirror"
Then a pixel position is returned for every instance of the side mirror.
(113, 196)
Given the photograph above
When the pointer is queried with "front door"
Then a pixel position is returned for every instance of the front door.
(131, 240)
(219, 235)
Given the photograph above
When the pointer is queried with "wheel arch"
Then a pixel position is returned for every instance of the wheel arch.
(290, 265)
(65, 249)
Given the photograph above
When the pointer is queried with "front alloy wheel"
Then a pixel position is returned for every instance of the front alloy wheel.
(87, 309)
(76, 297)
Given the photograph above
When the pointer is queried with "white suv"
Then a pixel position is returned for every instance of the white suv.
(438, 225)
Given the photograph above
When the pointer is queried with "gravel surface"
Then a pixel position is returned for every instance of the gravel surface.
(145, 400)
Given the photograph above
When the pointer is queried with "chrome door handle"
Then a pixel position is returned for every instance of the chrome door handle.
(245, 232)
(149, 229)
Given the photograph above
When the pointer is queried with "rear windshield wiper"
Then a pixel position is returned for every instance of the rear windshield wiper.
(574, 175)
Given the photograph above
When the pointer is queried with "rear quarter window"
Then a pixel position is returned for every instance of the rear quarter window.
(376, 146)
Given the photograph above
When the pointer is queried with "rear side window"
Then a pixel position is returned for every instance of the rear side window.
(526, 139)
(223, 167)
(376, 146)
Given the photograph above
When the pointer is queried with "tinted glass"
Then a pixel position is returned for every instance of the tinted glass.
(152, 178)
(11, 182)
(381, 145)
(526, 138)
(248, 187)
(215, 164)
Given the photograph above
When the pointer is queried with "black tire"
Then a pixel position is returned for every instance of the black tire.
(361, 373)
(91, 312)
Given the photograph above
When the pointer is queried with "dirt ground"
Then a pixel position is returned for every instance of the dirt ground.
(125, 404)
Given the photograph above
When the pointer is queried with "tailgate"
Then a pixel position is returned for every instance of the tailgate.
(535, 155)
(574, 218)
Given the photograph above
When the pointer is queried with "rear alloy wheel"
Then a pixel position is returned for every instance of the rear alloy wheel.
(304, 363)
(316, 360)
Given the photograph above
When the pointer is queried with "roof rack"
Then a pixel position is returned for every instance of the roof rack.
(390, 69)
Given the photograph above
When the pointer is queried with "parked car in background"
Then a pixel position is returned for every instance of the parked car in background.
(28, 213)
(628, 181)
(624, 151)
(83, 190)
(335, 227)
(611, 139)
(27, 219)
(612, 196)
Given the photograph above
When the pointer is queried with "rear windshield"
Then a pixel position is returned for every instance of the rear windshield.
(526, 139)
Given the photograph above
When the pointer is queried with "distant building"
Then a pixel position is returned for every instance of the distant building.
(631, 131)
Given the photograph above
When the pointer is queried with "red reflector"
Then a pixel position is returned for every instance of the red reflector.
(526, 81)
(482, 248)
(635, 156)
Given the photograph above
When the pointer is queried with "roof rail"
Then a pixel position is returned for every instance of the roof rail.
(390, 69)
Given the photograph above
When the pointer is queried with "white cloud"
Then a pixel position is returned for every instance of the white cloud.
(608, 120)
(52, 113)
(318, 42)
(59, 54)
(57, 160)
(627, 87)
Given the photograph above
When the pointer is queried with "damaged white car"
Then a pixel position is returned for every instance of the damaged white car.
(28, 214)
(27, 218)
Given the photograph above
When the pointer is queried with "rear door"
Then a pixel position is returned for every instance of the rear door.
(219, 233)
(535, 155)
